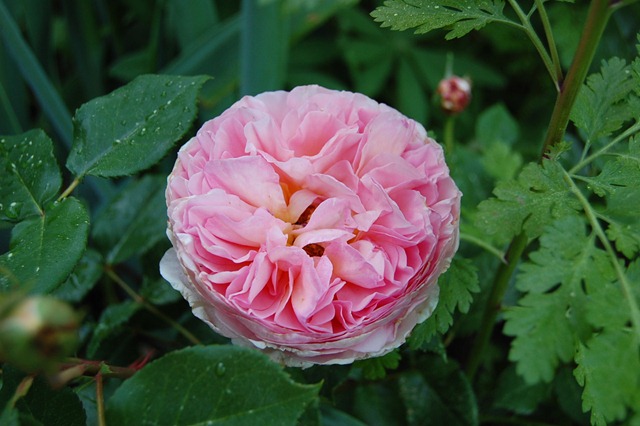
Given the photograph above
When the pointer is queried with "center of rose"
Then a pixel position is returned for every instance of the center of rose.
(313, 249)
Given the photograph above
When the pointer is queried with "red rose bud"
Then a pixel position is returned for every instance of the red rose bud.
(455, 94)
(38, 332)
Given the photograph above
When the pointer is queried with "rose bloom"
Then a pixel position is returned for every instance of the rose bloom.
(311, 224)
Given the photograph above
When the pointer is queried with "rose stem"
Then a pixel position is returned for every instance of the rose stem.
(149, 307)
(597, 18)
(100, 401)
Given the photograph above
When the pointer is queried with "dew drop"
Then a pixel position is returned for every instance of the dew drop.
(117, 141)
(14, 210)
(220, 369)
(123, 122)
(169, 102)
(143, 131)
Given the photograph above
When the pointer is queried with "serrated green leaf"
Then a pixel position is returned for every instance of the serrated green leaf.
(500, 161)
(111, 321)
(544, 338)
(134, 221)
(601, 106)
(551, 318)
(45, 249)
(460, 16)
(534, 200)
(625, 235)
(29, 175)
(82, 279)
(618, 183)
(609, 370)
(376, 368)
(133, 127)
(438, 395)
(457, 286)
(211, 385)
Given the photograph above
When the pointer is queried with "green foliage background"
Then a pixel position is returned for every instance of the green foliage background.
(142, 75)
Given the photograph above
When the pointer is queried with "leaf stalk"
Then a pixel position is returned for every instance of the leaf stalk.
(150, 307)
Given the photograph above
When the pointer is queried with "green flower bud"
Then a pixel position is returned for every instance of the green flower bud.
(38, 332)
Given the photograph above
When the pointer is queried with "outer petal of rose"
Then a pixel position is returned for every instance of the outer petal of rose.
(374, 342)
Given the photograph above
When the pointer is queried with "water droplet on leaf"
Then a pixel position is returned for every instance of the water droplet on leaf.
(220, 369)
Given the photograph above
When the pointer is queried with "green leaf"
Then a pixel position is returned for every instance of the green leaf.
(45, 249)
(42, 404)
(601, 107)
(82, 279)
(500, 161)
(111, 321)
(412, 99)
(456, 288)
(134, 221)
(332, 417)
(211, 385)
(551, 318)
(377, 403)
(29, 175)
(441, 395)
(534, 200)
(609, 370)
(133, 127)
(618, 183)
(516, 395)
(459, 16)
(376, 368)
(496, 124)
(158, 292)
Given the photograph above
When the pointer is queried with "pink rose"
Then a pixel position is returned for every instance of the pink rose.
(312, 224)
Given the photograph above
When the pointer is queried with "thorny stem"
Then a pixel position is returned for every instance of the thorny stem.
(149, 307)
(622, 277)
(537, 43)
(83, 367)
(597, 18)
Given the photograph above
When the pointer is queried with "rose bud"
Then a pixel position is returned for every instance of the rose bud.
(311, 224)
(38, 332)
(455, 94)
